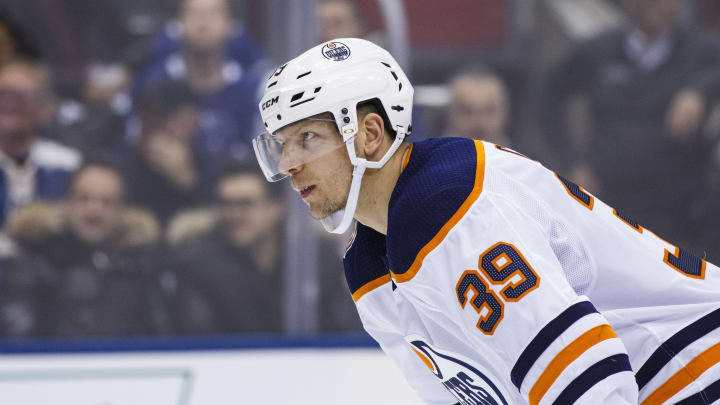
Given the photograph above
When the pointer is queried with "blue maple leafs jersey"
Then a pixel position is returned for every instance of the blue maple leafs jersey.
(501, 282)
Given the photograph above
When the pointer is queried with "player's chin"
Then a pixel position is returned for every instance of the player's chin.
(323, 212)
(317, 213)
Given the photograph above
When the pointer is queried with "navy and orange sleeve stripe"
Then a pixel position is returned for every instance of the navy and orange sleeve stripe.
(566, 356)
(597, 372)
(545, 337)
(663, 355)
(685, 376)
(710, 394)
(603, 368)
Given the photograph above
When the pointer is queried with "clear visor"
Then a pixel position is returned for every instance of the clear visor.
(295, 145)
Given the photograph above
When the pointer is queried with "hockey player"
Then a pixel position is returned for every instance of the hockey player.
(486, 277)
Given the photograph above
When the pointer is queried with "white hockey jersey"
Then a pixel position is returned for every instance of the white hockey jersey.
(500, 282)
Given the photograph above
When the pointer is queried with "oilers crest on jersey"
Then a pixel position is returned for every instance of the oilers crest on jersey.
(470, 383)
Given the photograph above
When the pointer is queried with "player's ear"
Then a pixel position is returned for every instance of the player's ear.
(372, 126)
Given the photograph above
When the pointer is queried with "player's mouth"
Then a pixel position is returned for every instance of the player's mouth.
(305, 192)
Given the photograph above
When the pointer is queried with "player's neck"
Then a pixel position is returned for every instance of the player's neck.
(377, 187)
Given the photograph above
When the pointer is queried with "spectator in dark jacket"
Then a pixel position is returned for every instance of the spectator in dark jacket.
(167, 171)
(99, 255)
(648, 85)
(26, 288)
(229, 261)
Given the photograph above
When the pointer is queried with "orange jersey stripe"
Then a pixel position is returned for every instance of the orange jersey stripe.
(370, 286)
(435, 241)
(407, 157)
(567, 356)
(685, 376)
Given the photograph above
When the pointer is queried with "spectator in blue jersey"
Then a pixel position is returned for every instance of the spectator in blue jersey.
(165, 164)
(649, 85)
(226, 90)
(31, 168)
(239, 46)
(93, 261)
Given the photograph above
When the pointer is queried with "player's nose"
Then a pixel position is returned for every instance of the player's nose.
(289, 164)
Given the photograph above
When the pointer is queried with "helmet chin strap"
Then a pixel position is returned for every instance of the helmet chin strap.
(340, 221)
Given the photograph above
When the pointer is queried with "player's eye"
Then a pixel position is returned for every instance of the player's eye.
(277, 139)
(306, 136)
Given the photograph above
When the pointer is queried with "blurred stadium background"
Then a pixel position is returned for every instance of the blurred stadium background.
(143, 258)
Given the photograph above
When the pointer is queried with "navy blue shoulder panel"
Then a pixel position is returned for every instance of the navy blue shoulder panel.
(365, 259)
(437, 180)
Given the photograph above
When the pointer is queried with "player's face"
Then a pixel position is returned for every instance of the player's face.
(322, 181)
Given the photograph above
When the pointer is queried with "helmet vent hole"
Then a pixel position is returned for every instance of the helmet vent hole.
(302, 102)
(400, 86)
(304, 74)
(297, 97)
(279, 117)
(317, 89)
(385, 64)
(272, 84)
(394, 75)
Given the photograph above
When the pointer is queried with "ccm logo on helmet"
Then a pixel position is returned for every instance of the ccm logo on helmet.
(270, 102)
(336, 51)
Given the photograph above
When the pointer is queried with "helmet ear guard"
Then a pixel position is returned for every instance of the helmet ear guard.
(337, 77)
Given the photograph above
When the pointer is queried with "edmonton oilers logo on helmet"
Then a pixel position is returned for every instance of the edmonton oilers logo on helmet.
(466, 382)
(336, 51)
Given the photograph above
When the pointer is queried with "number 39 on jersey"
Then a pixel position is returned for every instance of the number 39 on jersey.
(500, 265)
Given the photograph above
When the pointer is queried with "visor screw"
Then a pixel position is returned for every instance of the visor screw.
(344, 111)
(346, 120)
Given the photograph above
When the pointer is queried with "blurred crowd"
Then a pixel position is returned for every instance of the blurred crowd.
(131, 203)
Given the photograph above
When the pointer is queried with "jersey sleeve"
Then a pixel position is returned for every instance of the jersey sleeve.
(400, 352)
(372, 291)
(492, 278)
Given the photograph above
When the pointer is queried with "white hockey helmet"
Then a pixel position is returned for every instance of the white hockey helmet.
(333, 77)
